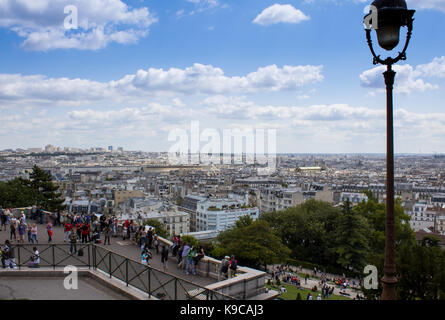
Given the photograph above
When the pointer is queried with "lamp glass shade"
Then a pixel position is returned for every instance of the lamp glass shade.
(388, 36)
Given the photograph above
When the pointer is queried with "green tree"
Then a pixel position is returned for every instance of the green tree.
(17, 193)
(253, 243)
(190, 240)
(307, 230)
(351, 239)
(48, 196)
(421, 271)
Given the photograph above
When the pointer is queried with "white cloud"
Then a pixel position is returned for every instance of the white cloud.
(206, 79)
(427, 4)
(279, 13)
(408, 78)
(22, 90)
(100, 22)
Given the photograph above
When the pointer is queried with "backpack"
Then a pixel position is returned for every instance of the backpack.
(233, 265)
(80, 252)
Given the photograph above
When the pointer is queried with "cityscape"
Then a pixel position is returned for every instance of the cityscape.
(153, 151)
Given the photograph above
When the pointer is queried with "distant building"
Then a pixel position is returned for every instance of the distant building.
(35, 150)
(278, 199)
(353, 197)
(422, 216)
(221, 214)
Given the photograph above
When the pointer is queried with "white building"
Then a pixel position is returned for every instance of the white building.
(221, 214)
(353, 197)
(278, 199)
(422, 216)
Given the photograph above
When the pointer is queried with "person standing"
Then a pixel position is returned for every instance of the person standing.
(49, 230)
(28, 227)
(35, 259)
(185, 249)
(143, 238)
(73, 242)
(34, 233)
(232, 266)
(191, 254)
(223, 268)
(67, 229)
(41, 215)
(156, 243)
(150, 237)
(8, 249)
(12, 230)
(22, 229)
(107, 232)
(200, 254)
(85, 232)
(164, 258)
(79, 229)
(3, 219)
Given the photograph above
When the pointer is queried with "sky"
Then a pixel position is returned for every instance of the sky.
(131, 73)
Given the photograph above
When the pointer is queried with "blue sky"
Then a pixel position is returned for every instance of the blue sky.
(134, 71)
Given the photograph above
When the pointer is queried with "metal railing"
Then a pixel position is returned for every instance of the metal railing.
(155, 283)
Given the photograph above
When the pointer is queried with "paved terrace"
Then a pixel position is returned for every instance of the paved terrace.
(248, 284)
(126, 248)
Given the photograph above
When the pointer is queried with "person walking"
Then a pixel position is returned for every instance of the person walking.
(49, 230)
(164, 258)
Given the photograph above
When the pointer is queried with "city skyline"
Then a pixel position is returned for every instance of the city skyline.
(134, 71)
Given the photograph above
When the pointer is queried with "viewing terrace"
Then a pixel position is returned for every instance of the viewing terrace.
(120, 262)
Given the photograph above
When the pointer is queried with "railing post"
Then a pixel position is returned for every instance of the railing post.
(54, 257)
(109, 261)
(149, 283)
(126, 271)
(89, 260)
(176, 288)
(18, 253)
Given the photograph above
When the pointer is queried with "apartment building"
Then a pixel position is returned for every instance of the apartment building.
(422, 216)
(221, 214)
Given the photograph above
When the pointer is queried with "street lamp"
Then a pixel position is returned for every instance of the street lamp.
(389, 16)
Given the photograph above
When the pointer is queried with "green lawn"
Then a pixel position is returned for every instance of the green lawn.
(292, 292)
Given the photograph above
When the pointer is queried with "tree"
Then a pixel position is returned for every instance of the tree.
(192, 241)
(307, 230)
(17, 193)
(421, 271)
(351, 239)
(48, 196)
(254, 243)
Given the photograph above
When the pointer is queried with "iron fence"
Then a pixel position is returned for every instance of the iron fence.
(148, 279)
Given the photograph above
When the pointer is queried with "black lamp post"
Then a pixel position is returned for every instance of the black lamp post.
(391, 15)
